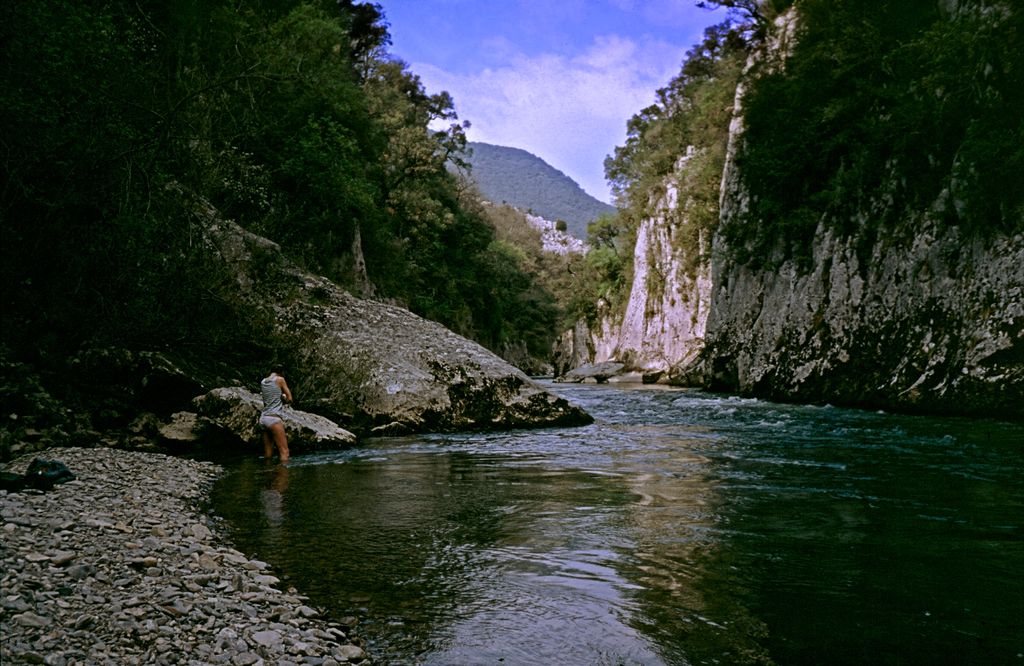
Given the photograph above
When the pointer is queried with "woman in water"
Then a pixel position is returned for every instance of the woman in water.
(275, 394)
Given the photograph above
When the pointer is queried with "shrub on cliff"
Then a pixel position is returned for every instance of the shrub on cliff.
(691, 117)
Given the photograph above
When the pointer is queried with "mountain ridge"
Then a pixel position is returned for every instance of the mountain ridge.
(519, 178)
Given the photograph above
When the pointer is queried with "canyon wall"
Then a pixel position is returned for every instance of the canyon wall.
(930, 319)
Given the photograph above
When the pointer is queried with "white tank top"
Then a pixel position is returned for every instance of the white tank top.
(272, 403)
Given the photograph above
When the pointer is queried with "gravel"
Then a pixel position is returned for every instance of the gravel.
(122, 566)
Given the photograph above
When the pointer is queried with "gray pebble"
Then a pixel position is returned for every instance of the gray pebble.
(28, 619)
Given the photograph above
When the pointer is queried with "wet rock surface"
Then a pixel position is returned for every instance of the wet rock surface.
(237, 410)
(121, 566)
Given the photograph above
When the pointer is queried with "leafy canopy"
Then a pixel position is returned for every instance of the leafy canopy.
(289, 117)
(882, 110)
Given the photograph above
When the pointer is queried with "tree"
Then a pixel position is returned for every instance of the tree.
(748, 8)
(755, 14)
(882, 112)
(286, 116)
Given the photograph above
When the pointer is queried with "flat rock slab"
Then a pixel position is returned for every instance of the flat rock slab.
(594, 372)
(237, 411)
(380, 363)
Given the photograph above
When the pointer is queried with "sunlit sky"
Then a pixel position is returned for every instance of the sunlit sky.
(559, 78)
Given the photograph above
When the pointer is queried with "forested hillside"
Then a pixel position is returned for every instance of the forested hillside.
(122, 119)
(521, 179)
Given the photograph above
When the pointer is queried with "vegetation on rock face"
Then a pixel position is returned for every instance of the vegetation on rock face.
(121, 118)
(883, 109)
(692, 117)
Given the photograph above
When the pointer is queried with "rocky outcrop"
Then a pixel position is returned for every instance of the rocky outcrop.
(574, 348)
(928, 320)
(235, 410)
(371, 363)
(554, 241)
(923, 319)
(935, 322)
(665, 316)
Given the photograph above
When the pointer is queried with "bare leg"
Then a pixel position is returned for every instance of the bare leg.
(268, 449)
(281, 440)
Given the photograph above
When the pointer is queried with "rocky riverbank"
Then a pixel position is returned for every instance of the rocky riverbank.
(122, 566)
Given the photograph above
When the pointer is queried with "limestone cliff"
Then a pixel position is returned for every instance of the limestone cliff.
(662, 326)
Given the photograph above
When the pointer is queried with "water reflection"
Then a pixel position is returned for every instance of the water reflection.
(678, 529)
(272, 496)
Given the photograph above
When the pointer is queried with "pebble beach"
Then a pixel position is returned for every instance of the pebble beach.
(123, 566)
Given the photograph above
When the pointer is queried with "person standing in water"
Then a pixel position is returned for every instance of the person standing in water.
(275, 394)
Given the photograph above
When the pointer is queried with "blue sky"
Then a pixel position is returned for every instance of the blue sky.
(559, 78)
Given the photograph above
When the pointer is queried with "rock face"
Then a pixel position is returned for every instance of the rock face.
(928, 321)
(934, 323)
(236, 410)
(664, 321)
(375, 363)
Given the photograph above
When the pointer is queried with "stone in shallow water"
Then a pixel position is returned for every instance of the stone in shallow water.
(352, 652)
(267, 579)
(306, 611)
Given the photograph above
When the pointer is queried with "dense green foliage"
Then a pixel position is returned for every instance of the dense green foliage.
(882, 107)
(537, 310)
(121, 118)
(521, 179)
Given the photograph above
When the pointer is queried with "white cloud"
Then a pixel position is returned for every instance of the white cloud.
(571, 112)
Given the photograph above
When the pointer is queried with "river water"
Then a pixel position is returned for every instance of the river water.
(680, 528)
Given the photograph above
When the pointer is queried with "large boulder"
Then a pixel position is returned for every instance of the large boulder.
(373, 364)
(236, 410)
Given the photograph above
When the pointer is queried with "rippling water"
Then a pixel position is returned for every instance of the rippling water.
(679, 528)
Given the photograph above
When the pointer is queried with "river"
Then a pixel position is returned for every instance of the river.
(680, 528)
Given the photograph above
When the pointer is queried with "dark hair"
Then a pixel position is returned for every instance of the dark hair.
(277, 369)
